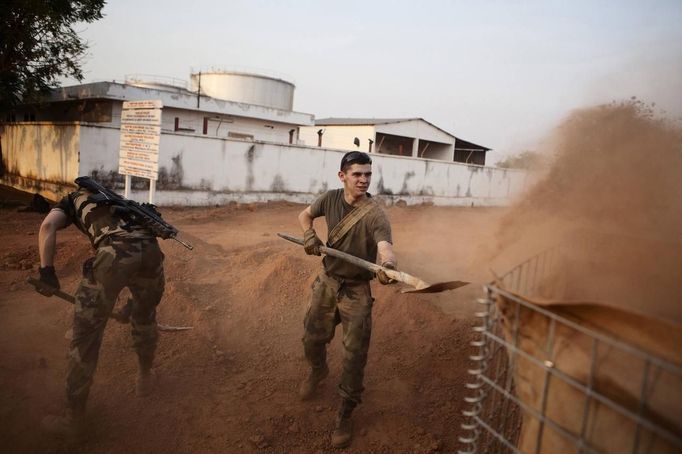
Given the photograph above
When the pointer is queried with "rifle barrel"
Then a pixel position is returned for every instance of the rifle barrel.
(187, 245)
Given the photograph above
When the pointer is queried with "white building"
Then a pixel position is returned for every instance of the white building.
(413, 137)
(223, 104)
(235, 137)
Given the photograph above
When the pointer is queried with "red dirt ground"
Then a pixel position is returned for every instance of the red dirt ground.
(229, 385)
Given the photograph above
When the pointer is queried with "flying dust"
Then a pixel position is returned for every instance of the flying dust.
(612, 198)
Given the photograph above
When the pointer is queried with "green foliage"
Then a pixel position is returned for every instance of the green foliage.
(524, 160)
(38, 45)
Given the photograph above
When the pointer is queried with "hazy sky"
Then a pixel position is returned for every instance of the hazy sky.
(498, 73)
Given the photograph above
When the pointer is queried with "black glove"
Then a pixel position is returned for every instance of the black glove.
(311, 243)
(48, 281)
(383, 277)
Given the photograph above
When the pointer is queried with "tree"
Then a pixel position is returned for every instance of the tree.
(38, 45)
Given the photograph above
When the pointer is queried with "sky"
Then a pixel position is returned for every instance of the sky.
(498, 73)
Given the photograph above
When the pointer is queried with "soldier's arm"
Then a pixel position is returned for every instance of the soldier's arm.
(386, 259)
(381, 229)
(385, 253)
(305, 219)
(311, 242)
(47, 237)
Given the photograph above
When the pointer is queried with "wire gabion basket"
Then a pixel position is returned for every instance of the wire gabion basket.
(546, 379)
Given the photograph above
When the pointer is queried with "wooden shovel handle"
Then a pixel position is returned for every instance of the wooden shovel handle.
(58, 293)
(373, 267)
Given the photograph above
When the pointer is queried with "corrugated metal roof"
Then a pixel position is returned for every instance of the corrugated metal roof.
(462, 144)
(177, 99)
(360, 121)
(372, 122)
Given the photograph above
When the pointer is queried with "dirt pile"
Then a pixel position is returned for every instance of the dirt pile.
(229, 384)
(612, 195)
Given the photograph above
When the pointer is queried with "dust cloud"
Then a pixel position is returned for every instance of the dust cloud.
(613, 198)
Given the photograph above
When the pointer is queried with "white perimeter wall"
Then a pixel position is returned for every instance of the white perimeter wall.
(206, 170)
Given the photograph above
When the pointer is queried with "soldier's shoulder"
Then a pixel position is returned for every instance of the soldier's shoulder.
(378, 214)
(66, 201)
(331, 194)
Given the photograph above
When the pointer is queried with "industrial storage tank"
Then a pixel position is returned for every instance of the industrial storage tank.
(245, 87)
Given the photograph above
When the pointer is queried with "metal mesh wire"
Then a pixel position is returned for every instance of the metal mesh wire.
(496, 414)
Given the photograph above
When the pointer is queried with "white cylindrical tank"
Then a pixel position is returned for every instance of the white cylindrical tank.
(246, 88)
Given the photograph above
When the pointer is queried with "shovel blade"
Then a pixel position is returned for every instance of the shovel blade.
(437, 288)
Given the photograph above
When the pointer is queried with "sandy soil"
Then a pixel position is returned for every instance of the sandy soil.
(229, 385)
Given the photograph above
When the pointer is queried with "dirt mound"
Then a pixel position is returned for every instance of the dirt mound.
(229, 384)
(20, 259)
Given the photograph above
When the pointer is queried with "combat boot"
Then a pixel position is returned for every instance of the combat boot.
(66, 424)
(309, 385)
(145, 383)
(343, 429)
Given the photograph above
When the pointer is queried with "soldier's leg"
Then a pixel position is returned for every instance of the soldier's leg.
(95, 299)
(355, 308)
(319, 323)
(147, 288)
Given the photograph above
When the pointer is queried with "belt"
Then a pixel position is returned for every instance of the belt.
(344, 281)
(106, 241)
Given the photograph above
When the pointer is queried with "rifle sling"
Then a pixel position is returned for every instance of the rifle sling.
(349, 220)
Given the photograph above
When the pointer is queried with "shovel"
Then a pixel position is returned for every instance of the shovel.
(419, 285)
(119, 317)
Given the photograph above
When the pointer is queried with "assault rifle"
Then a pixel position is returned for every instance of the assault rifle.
(144, 214)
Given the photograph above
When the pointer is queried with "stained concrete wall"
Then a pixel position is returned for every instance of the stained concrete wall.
(195, 170)
(39, 157)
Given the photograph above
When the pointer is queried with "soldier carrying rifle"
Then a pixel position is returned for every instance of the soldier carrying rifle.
(127, 254)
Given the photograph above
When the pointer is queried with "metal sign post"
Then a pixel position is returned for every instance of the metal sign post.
(139, 146)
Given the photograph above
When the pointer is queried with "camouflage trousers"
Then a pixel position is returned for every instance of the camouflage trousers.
(136, 264)
(349, 303)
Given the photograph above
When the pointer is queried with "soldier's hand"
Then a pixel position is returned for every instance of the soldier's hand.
(383, 277)
(311, 243)
(48, 282)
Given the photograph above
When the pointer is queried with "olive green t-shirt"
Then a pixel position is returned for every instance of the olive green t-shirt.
(360, 241)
